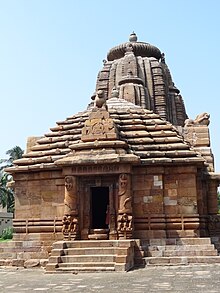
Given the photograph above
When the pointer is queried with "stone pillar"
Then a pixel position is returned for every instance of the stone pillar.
(125, 218)
(70, 219)
(112, 218)
(212, 197)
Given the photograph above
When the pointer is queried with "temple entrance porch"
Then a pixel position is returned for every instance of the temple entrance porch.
(98, 208)
(98, 201)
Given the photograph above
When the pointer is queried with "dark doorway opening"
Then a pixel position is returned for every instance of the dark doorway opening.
(99, 205)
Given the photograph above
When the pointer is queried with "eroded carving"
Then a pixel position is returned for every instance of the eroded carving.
(99, 126)
(124, 193)
(70, 227)
(129, 49)
(124, 220)
(70, 195)
(69, 182)
(201, 119)
(70, 218)
(187, 201)
(100, 99)
(125, 226)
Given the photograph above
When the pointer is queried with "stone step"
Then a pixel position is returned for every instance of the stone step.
(204, 259)
(19, 249)
(193, 241)
(86, 258)
(84, 251)
(187, 247)
(179, 241)
(190, 253)
(86, 265)
(84, 269)
(8, 255)
(98, 236)
(17, 244)
(182, 260)
(98, 255)
(99, 231)
(91, 243)
(154, 249)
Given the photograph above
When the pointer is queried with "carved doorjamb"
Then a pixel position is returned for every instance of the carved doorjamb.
(112, 213)
(125, 217)
(85, 210)
(70, 220)
(85, 204)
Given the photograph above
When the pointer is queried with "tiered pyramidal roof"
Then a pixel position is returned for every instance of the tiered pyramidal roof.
(138, 123)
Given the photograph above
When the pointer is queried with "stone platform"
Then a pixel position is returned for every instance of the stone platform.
(108, 255)
(182, 251)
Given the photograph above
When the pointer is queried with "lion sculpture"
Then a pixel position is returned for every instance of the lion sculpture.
(201, 119)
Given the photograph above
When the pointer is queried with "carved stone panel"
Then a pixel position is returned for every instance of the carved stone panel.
(97, 169)
(70, 199)
(99, 126)
(124, 193)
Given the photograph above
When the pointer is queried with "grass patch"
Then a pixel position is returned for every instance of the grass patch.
(5, 240)
(7, 233)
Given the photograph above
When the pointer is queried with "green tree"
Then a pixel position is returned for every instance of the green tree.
(6, 192)
(14, 154)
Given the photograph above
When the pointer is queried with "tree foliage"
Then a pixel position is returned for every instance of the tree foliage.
(14, 154)
(6, 192)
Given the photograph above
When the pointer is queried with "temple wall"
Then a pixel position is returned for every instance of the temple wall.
(39, 198)
(165, 202)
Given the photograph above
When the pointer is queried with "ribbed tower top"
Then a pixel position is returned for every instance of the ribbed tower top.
(139, 49)
(137, 71)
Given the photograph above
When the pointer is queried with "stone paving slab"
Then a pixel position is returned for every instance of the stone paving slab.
(175, 279)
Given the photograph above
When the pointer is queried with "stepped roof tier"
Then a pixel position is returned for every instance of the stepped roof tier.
(138, 133)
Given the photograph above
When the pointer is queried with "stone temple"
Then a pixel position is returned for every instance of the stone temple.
(128, 181)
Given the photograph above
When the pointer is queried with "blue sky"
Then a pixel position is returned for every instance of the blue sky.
(51, 52)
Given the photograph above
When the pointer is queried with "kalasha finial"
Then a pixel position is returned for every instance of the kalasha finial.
(133, 37)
